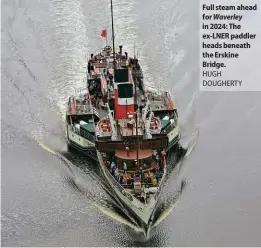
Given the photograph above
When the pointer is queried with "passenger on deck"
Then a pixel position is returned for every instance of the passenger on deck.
(98, 103)
(124, 181)
(93, 100)
(116, 174)
(121, 179)
(156, 167)
(158, 160)
(154, 181)
(113, 170)
(111, 167)
(125, 168)
(110, 77)
(140, 108)
(157, 175)
(105, 163)
(115, 63)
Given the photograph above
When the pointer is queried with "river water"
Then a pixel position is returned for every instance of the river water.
(52, 197)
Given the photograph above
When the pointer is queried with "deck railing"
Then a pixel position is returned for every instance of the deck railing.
(95, 111)
(113, 180)
(83, 133)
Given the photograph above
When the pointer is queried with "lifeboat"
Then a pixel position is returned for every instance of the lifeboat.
(155, 125)
(104, 128)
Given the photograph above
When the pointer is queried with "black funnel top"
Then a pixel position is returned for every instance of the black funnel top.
(121, 75)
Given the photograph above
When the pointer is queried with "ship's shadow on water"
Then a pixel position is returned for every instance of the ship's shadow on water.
(143, 235)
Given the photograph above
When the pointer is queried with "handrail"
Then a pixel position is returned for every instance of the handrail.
(114, 132)
(95, 111)
(147, 127)
(103, 134)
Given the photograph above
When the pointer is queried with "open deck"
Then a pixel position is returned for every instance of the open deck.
(79, 109)
(147, 171)
(128, 128)
(161, 101)
(81, 106)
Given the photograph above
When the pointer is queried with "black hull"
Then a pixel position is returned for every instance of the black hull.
(125, 207)
(173, 143)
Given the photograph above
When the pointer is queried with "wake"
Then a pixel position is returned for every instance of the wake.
(70, 43)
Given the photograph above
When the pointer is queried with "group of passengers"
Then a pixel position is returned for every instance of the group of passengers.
(158, 163)
(97, 58)
(109, 79)
(134, 63)
(123, 179)
(96, 100)
(115, 172)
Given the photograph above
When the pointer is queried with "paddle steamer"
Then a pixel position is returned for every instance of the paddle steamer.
(128, 129)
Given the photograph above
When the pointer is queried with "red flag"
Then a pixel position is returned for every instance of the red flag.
(104, 33)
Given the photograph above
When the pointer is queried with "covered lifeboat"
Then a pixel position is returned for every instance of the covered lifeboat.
(155, 125)
(104, 128)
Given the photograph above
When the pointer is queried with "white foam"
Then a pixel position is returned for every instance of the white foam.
(70, 48)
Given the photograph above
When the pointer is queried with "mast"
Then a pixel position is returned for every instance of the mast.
(136, 102)
(112, 28)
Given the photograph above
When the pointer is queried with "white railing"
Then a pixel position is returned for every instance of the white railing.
(147, 127)
(155, 131)
(103, 134)
(95, 111)
(145, 111)
(114, 133)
